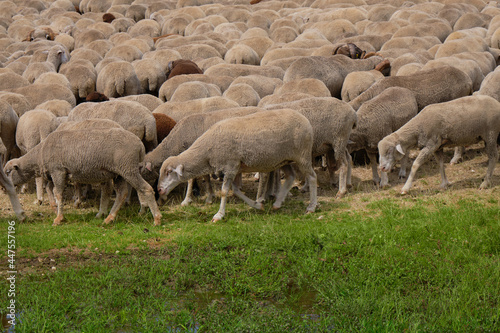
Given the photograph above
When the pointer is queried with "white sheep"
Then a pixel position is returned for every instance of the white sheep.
(131, 115)
(378, 118)
(118, 79)
(332, 121)
(192, 90)
(262, 142)
(80, 156)
(459, 122)
(8, 124)
(6, 183)
(179, 110)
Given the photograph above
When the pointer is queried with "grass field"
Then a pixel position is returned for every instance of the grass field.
(373, 261)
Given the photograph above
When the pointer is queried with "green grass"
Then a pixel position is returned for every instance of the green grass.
(416, 264)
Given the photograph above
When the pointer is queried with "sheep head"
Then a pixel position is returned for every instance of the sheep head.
(96, 97)
(16, 175)
(350, 50)
(390, 151)
(170, 177)
(108, 18)
(41, 33)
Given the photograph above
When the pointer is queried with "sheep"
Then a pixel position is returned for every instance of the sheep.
(432, 86)
(6, 183)
(149, 101)
(179, 110)
(118, 79)
(378, 118)
(59, 108)
(85, 53)
(127, 53)
(355, 83)
(150, 74)
(331, 70)
(132, 116)
(470, 67)
(97, 97)
(236, 70)
(82, 79)
(263, 142)
(463, 121)
(242, 54)
(18, 102)
(188, 91)
(55, 57)
(309, 86)
(243, 94)
(332, 121)
(182, 67)
(79, 155)
(170, 86)
(164, 125)
(37, 93)
(10, 80)
(33, 127)
(8, 124)
(185, 132)
(53, 78)
(263, 85)
(491, 85)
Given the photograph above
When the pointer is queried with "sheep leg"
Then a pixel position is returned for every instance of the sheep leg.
(349, 168)
(402, 169)
(59, 180)
(332, 166)
(146, 195)
(77, 196)
(342, 176)
(237, 192)
(373, 163)
(492, 152)
(457, 156)
(209, 189)
(189, 193)
(106, 189)
(287, 185)
(121, 190)
(39, 190)
(312, 179)
(440, 159)
(49, 188)
(421, 159)
(226, 184)
(264, 179)
(11, 192)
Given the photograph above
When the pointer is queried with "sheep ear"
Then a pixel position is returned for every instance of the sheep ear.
(400, 149)
(148, 166)
(170, 65)
(179, 169)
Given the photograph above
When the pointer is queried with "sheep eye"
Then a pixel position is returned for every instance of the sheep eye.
(48, 37)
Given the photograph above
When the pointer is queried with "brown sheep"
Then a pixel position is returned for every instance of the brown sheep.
(164, 124)
(108, 17)
(182, 66)
(96, 97)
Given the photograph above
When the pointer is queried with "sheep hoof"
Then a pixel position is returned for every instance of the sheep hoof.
(340, 194)
(217, 217)
(158, 220)
(259, 206)
(276, 207)
(404, 192)
(57, 220)
(186, 202)
(109, 219)
(37, 202)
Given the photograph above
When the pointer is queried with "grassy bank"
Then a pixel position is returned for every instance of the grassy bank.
(373, 261)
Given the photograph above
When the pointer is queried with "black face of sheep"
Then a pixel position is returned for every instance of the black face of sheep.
(350, 50)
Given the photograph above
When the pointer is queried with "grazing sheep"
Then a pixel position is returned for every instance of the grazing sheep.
(378, 118)
(32, 128)
(150, 74)
(491, 85)
(432, 86)
(331, 70)
(10, 80)
(6, 183)
(37, 93)
(313, 87)
(18, 102)
(170, 86)
(164, 125)
(459, 122)
(59, 108)
(355, 83)
(82, 79)
(185, 132)
(188, 91)
(147, 100)
(243, 94)
(263, 85)
(242, 54)
(237, 70)
(132, 116)
(8, 124)
(55, 57)
(332, 121)
(79, 155)
(262, 142)
(118, 79)
(179, 110)
(181, 67)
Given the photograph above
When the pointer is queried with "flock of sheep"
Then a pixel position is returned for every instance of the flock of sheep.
(148, 94)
